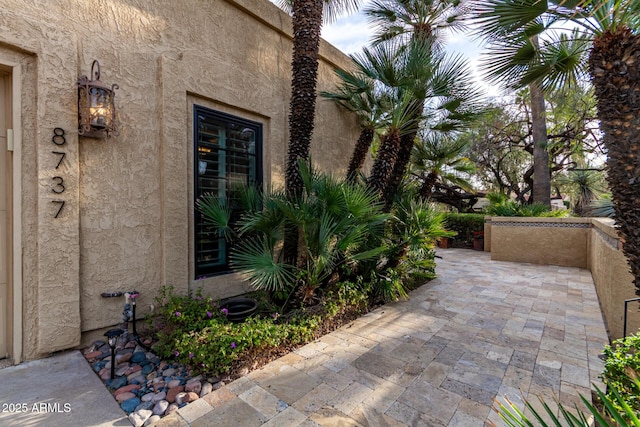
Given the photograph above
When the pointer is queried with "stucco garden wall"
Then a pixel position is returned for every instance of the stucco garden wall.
(591, 243)
(126, 222)
(613, 280)
(554, 241)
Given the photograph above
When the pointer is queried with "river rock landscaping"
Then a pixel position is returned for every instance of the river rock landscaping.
(152, 378)
(146, 387)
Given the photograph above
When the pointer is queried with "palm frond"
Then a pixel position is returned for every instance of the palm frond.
(496, 19)
(216, 213)
(406, 20)
(561, 61)
(255, 258)
(332, 9)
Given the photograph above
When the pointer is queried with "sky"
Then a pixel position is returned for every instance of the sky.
(351, 33)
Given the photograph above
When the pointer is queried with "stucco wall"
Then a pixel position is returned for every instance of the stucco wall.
(555, 241)
(575, 242)
(128, 200)
(613, 280)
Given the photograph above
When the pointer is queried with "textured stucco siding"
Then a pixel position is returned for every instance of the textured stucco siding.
(127, 220)
(612, 277)
(591, 243)
(550, 241)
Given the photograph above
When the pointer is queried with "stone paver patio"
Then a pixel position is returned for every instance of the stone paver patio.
(482, 329)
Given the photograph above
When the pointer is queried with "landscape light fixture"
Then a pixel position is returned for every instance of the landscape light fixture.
(96, 110)
(112, 338)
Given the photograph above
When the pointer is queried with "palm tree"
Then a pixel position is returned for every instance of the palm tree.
(615, 73)
(356, 93)
(441, 158)
(446, 100)
(401, 123)
(307, 19)
(415, 19)
(421, 25)
(614, 68)
(387, 66)
(519, 56)
(339, 222)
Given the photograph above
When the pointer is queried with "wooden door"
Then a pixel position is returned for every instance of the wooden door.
(5, 215)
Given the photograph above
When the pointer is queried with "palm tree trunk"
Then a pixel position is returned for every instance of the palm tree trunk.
(426, 188)
(404, 151)
(541, 176)
(307, 23)
(360, 152)
(385, 160)
(615, 71)
(399, 168)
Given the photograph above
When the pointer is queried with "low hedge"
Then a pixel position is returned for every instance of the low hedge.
(465, 224)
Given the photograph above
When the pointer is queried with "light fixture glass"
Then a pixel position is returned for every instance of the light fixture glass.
(96, 109)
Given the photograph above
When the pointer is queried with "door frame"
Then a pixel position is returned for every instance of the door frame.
(15, 329)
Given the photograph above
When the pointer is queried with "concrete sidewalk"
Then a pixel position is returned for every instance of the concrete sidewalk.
(57, 391)
(483, 329)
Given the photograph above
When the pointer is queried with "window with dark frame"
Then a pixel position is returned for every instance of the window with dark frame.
(228, 152)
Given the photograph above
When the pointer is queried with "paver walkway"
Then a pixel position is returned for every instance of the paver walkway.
(482, 329)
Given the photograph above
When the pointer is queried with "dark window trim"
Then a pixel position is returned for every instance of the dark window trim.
(218, 115)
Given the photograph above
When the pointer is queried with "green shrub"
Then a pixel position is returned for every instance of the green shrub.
(409, 243)
(465, 225)
(192, 330)
(343, 234)
(622, 359)
(511, 208)
(338, 223)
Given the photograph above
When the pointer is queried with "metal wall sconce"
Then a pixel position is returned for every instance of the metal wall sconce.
(96, 109)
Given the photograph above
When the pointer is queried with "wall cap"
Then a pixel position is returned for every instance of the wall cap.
(528, 219)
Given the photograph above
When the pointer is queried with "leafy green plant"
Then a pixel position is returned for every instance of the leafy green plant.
(337, 224)
(511, 208)
(585, 185)
(622, 360)
(465, 225)
(409, 247)
(602, 207)
(617, 413)
(193, 330)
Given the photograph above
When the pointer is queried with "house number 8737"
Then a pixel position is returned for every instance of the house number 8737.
(58, 182)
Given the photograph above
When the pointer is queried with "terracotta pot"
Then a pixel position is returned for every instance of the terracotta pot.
(444, 243)
(478, 244)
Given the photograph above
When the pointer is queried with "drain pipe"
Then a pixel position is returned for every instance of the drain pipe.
(131, 296)
(128, 314)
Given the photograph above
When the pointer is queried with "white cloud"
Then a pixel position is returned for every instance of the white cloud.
(351, 33)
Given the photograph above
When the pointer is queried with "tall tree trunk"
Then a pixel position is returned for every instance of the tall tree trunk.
(385, 160)
(426, 189)
(399, 168)
(307, 23)
(614, 65)
(360, 152)
(414, 112)
(541, 175)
